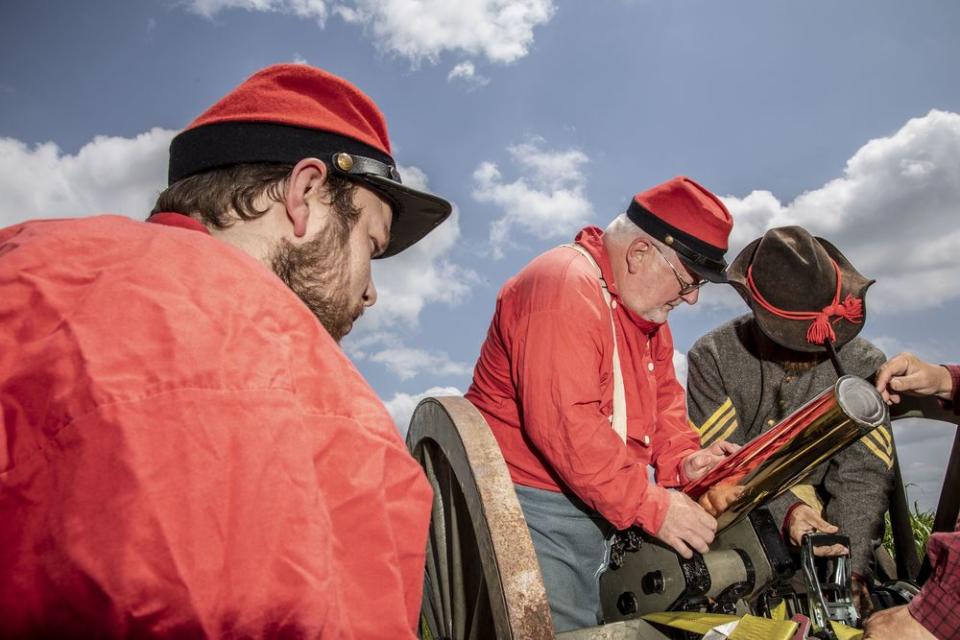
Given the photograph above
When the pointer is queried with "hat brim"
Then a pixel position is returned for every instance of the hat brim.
(416, 213)
(711, 275)
(792, 334)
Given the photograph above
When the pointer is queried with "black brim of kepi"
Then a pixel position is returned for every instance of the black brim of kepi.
(415, 213)
(715, 273)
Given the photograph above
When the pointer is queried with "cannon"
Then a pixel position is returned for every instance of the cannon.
(482, 579)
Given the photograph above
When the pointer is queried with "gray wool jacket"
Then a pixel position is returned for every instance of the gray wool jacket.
(738, 387)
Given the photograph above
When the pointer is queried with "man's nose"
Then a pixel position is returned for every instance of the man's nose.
(692, 297)
(370, 294)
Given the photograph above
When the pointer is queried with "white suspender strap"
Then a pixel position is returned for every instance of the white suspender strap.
(619, 396)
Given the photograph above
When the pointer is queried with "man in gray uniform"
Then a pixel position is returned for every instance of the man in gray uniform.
(748, 374)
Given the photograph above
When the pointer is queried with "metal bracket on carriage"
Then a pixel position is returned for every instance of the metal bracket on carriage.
(829, 599)
(624, 542)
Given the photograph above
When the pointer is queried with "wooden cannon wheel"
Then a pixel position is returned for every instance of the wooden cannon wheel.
(482, 577)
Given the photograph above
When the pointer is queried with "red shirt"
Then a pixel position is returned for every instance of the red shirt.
(544, 383)
(938, 606)
(185, 451)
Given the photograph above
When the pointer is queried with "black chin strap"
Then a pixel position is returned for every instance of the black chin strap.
(834, 358)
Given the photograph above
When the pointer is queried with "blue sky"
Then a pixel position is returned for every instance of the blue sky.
(535, 117)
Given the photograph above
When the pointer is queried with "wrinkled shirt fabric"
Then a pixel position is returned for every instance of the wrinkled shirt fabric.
(544, 383)
(186, 452)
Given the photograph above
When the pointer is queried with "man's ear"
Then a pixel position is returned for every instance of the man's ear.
(306, 182)
(637, 251)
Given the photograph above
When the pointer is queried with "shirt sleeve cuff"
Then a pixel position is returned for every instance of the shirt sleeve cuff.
(954, 402)
(785, 529)
(655, 512)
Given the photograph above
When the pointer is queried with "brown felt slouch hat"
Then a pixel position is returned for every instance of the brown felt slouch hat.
(794, 273)
(288, 112)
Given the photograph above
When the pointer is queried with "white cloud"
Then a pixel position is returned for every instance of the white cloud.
(359, 344)
(549, 200)
(316, 9)
(422, 274)
(500, 30)
(893, 213)
(926, 348)
(108, 174)
(680, 366)
(467, 72)
(401, 405)
(406, 362)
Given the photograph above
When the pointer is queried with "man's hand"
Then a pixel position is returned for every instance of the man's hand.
(895, 624)
(698, 464)
(687, 527)
(719, 497)
(803, 520)
(906, 373)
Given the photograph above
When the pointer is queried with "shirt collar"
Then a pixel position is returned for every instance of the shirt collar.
(591, 239)
(170, 219)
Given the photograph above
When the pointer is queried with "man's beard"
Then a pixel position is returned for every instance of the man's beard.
(316, 271)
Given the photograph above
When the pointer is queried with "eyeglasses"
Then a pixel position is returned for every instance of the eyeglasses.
(686, 288)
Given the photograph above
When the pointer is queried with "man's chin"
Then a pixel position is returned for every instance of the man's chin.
(657, 316)
(348, 326)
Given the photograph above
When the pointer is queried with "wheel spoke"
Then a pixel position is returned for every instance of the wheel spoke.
(480, 612)
(458, 599)
(438, 540)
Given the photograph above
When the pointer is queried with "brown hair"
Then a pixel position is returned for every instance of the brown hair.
(212, 195)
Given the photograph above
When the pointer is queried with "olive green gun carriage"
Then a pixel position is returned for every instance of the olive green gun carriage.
(482, 579)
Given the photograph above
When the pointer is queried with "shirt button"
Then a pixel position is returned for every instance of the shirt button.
(650, 366)
(770, 422)
(646, 440)
(613, 304)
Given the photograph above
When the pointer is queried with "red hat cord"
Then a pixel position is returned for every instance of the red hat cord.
(821, 329)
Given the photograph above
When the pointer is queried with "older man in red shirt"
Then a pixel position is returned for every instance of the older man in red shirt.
(186, 451)
(577, 383)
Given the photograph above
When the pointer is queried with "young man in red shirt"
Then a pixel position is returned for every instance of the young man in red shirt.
(186, 451)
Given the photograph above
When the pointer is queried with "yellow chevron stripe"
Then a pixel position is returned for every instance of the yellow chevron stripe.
(883, 455)
(725, 434)
(808, 494)
(716, 414)
(721, 423)
(882, 436)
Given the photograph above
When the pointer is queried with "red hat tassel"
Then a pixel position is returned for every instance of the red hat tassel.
(821, 329)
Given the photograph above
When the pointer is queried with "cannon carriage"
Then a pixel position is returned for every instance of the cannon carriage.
(482, 579)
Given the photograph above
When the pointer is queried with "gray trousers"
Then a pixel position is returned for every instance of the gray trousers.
(571, 542)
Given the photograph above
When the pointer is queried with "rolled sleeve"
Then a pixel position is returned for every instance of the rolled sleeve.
(555, 355)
